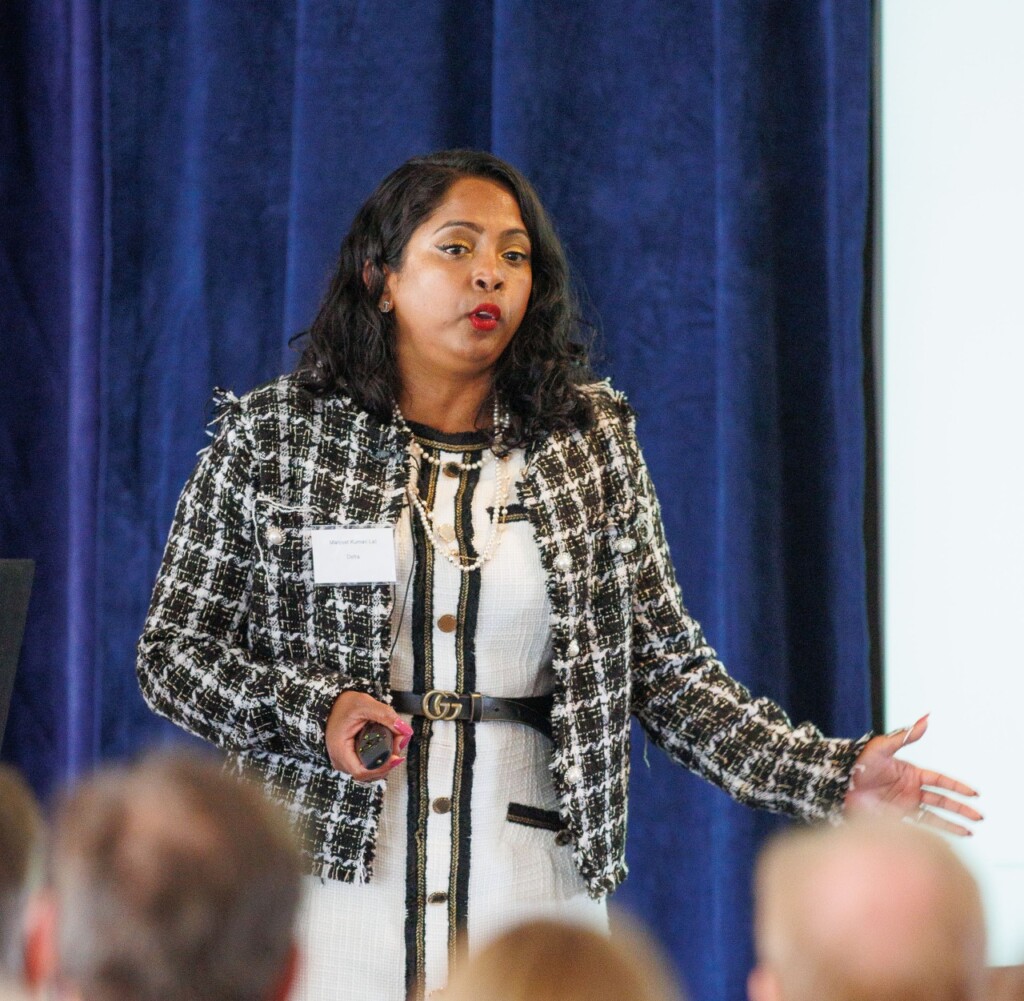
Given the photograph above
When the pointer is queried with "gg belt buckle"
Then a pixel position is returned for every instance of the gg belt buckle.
(441, 705)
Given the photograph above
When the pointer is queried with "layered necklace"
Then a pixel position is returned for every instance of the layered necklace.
(448, 548)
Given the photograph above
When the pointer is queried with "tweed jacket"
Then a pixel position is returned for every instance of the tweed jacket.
(241, 648)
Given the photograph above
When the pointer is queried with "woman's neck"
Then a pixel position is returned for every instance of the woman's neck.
(446, 407)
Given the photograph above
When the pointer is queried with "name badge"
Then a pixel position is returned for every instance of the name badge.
(354, 555)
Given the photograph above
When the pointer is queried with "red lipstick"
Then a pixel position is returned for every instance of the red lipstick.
(485, 316)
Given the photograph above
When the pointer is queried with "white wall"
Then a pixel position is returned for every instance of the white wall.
(952, 326)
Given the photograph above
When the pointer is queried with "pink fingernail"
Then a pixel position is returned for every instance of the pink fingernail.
(400, 726)
(404, 742)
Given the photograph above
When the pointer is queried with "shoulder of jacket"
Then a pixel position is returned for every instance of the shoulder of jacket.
(610, 404)
(249, 417)
(284, 392)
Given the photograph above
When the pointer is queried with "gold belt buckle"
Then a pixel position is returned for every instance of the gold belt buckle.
(441, 705)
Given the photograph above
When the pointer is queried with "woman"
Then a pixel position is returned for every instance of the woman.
(441, 502)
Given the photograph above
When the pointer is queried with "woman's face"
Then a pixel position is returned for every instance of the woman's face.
(463, 286)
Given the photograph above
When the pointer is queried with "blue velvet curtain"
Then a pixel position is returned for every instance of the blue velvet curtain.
(176, 178)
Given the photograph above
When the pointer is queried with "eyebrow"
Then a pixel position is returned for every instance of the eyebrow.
(515, 231)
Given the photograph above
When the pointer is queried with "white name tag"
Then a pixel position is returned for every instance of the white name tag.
(354, 555)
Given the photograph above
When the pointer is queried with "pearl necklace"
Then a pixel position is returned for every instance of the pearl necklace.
(498, 508)
(433, 460)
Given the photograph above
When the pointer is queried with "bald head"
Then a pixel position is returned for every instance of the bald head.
(867, 910)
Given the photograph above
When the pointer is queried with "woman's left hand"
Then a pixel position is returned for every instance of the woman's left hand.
(882, 781)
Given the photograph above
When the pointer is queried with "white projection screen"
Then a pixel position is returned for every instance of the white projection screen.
(950, 329)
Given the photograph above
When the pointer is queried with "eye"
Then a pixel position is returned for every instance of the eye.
(454, 249)
(516, 256)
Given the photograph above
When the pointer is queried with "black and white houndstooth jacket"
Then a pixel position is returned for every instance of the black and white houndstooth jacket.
(242, 649)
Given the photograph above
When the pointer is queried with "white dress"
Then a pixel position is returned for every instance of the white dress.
(469, 837)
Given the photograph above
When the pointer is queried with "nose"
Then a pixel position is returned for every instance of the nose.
(488, 277)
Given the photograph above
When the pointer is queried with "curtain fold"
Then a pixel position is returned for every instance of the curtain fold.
(52, 275)
(87, 260)
(176, 182)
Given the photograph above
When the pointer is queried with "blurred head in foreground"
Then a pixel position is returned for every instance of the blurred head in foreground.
(167, 881)
(21, 836)
(871, 909)
(552, 961)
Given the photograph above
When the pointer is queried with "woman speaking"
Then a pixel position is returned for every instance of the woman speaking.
(440, 523)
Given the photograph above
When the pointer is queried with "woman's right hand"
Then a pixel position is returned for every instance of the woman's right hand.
(350, 713)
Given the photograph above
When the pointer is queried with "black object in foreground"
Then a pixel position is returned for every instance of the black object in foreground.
(373, 745)
(15, 587)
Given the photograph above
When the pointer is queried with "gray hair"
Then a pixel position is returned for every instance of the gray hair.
(173, 882)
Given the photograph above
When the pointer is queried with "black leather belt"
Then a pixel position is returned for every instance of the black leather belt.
(534, 710)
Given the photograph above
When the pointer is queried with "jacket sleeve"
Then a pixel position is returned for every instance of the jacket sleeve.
(193, 666)
(708, 721)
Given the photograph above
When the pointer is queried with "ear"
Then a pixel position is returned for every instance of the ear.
(368, 276)
(763, 984)
(368, 273)
(40, 959)
(286, 980)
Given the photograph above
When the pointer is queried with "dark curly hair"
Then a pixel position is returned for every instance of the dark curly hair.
(351, 344)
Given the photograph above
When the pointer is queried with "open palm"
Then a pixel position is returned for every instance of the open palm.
(881, 781)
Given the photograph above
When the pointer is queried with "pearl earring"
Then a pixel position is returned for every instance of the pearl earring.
(385, 306)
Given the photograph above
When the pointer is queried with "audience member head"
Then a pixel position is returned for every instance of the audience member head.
(552, 961)
(1005, 983)
(168, 881)
(13, 991)
(21, 836)
(868, 910)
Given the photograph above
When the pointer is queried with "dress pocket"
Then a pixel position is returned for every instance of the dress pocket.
(540, 820)
(532, 816)
(538, 846)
